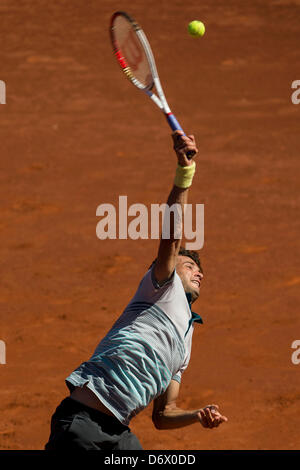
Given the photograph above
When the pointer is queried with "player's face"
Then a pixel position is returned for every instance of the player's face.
(190, 275)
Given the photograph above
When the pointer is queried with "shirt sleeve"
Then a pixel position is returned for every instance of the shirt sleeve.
(177, 377)
(179, 373)
(150, 290)
(159, 285)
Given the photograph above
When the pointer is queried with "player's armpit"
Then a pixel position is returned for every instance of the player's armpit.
(160, 284)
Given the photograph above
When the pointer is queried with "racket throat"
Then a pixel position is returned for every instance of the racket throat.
(161, 95)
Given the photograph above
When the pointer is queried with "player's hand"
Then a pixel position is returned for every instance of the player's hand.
(182, 145)
(210, 417)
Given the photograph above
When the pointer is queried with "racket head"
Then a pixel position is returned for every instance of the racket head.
(132, 50)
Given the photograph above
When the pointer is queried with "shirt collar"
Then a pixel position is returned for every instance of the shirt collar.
(195, 317)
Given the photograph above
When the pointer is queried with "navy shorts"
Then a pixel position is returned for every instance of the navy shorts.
(75, 426)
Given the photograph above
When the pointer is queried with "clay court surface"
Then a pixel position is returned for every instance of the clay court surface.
(75, 134)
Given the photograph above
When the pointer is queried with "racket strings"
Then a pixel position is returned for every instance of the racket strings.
(130, 53)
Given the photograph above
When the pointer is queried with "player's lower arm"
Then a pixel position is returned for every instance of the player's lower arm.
(176, 418)
(178, 197)
(172, 417)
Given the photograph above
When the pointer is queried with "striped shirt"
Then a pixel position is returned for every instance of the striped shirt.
(147, 347)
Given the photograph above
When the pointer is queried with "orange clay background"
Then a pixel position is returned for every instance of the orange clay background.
(75, 134)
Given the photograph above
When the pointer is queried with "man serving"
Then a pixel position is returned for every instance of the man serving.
(143, 356)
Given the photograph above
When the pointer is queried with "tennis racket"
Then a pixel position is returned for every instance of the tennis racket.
(135, 57)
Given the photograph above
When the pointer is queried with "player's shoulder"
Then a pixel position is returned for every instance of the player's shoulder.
(150, 288)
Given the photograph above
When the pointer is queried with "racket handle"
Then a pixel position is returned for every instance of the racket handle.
(175, 126)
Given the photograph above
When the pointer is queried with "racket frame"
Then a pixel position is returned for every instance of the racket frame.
(159, 100)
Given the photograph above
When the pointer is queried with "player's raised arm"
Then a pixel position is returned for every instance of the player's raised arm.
(169, 247)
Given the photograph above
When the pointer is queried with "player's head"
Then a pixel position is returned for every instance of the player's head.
(189, 269)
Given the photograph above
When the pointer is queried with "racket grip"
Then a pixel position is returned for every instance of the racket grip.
(173, 123)
(175, 126)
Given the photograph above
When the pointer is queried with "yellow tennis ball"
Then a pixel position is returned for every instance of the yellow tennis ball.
(196, 28)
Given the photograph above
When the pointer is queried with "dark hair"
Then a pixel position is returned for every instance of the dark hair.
(191, 254)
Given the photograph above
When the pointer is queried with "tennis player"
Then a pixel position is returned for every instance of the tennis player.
(143, 356)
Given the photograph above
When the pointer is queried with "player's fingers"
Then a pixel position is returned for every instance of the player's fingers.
(176, 135)
(180, 138)
(210, 419)
(216, 422)
(187, 141)
(193, 148)
(179, 144)
(214, 408)
(192, 151)
(184, 149)
(220, 419)
(224, 419)
(202, 418)
(185, 145)
(216, 414)
(177, 132)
